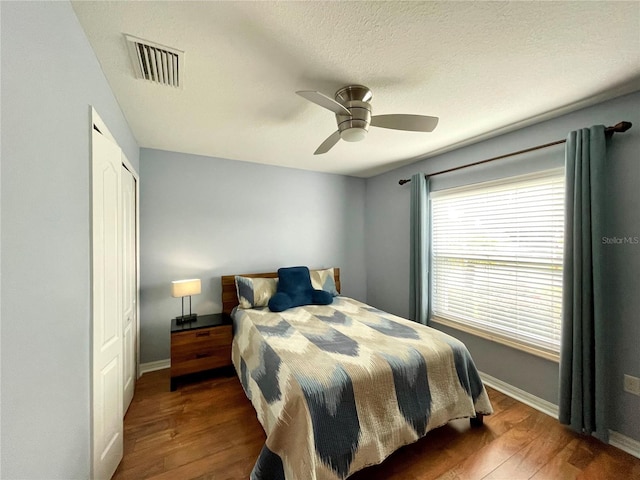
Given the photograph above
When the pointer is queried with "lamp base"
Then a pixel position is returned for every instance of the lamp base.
(186, 318)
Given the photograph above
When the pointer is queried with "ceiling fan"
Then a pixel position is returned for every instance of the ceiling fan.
(353, 114)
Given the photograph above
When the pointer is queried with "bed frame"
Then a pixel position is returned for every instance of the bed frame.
(230, 295)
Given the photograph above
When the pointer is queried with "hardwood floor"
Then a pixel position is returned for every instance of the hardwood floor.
(209, 431)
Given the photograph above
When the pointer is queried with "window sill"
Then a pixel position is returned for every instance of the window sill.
(538, 352)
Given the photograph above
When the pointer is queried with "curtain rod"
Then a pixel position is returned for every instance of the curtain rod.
(609, 131)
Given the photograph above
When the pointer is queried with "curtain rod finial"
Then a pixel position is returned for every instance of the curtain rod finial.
(617, 128)
(403, 181)
(622, 126)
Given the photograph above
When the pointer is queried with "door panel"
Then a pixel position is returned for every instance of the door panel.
(106, 412)
(129, 283)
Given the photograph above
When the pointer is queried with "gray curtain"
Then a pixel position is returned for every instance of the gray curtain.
(420, 232)
(583, 352)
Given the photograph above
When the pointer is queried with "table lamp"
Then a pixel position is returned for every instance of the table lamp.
(186, 288)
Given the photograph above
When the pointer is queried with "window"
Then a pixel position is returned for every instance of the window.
(497, 251)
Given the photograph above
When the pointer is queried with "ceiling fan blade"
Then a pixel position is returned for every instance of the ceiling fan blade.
(328, 143)
(324, 101)
(413, 123)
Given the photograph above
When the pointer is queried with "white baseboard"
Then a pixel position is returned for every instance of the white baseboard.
(624, 443)
(153, 366)
(525, 397)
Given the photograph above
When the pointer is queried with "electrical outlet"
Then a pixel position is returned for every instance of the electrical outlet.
(632, 385)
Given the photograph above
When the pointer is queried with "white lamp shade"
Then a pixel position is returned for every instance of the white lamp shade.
(184, 288)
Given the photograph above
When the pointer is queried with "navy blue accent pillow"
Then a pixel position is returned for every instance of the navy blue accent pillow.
(321, 297)
(295, 290)
(280, 302)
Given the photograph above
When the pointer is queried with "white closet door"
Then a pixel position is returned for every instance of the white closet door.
(129, 288)
(107, 447)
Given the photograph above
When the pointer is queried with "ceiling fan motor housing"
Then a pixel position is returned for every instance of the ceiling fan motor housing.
(354, 98)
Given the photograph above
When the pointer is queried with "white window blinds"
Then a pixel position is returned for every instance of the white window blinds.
(497, 259)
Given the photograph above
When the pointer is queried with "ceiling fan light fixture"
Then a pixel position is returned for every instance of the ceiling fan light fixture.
(354, 134)
(353, 116)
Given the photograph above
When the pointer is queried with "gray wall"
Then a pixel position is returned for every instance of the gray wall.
(50, 76)
(203, 217)
(387, 252)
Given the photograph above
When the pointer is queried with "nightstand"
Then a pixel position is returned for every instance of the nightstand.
(203, 344)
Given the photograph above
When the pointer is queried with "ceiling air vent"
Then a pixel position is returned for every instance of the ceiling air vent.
(156, 63)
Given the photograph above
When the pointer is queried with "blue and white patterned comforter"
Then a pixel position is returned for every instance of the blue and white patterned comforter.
(340, 387)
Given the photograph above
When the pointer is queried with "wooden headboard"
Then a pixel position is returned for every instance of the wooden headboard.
(230, 296)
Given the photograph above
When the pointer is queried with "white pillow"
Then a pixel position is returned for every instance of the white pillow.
(255, 292)
(324, 280)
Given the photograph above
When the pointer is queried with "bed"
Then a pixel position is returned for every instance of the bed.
(340, 387)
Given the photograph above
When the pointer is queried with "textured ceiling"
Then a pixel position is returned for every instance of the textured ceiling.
(482, 67)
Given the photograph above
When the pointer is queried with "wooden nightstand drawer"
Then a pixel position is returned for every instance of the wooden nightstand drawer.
(201, 345)
(197, 361)
(210, 336)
